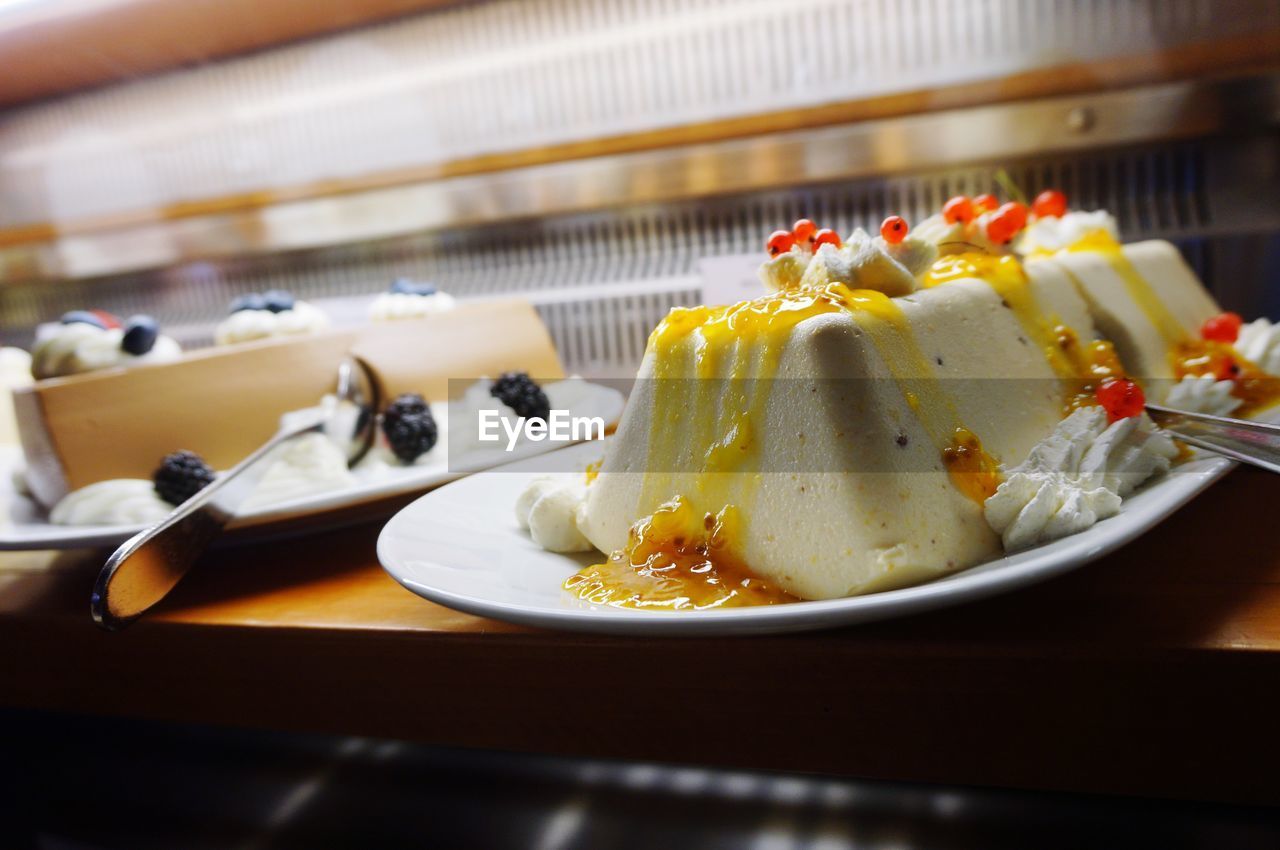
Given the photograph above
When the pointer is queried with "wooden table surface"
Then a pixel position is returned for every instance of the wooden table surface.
(1154, 671)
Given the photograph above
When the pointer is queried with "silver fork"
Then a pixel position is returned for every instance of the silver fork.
(1255, 443)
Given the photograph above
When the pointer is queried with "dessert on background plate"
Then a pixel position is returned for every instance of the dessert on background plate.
(225, 401)
(87, 341)
(412, 444)
(407, 299)
(897, 407)
(275, 313)
(92, 441)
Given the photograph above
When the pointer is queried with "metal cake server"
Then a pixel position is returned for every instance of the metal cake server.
(148, 565)
(1255, 443)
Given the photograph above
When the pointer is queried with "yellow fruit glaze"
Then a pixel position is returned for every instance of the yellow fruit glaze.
(1254, 387)
(972, 470)
(677, 560)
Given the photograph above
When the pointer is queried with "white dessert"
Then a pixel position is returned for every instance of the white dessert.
(304, 466)
(390, 306)
(549, 508)
(864, 387)
(1259, 343)
(77, 347)
(248, 325)
(119, 501)
(1143, 297)
(1076, 476)
(1050, 234)
(825, 441)
(1203, 394)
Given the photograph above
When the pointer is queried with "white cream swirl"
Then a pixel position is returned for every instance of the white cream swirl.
(550, 508)
(1050, 234)
(119, 501)
(1076, 476)
(1259, 343)
(783, 272)
(390, 306)
(1203, 394)
(304, 466)
(248, 325)
(76, 347)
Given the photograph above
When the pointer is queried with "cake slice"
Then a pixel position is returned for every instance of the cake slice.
(843, 441)
(1142, 296)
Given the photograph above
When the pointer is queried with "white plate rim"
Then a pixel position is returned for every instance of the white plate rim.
(981, 581)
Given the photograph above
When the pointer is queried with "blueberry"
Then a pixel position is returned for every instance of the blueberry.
(404, 286)
(252, 301)
(277, 300)
(82, 316)
(140, 334)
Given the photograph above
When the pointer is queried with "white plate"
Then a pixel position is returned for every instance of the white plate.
(28, 525)
(460, 546)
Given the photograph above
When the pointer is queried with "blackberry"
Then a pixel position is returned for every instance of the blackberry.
(140, 335)
(410, 428)
(519, 392)
(181, 475)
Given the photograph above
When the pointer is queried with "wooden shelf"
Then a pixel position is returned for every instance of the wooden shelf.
(62, 50)
(1150, 672)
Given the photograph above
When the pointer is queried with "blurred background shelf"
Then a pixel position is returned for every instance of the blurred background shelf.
(586, 155)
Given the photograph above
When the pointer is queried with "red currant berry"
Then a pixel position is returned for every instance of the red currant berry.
(1048, 203)
(826, 236)
(894, 229)
(1121, 398)
(110, 320)
(1017, 211)
(959, 209)
(803, 231)
(1224, 327)
(780, 242)
(1006, 222)
(985, 202)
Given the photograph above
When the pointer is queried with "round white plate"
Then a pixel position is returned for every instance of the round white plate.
(460, 546)
(25, 525)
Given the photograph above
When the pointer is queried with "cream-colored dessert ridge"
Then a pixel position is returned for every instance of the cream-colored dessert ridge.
(726, 393)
